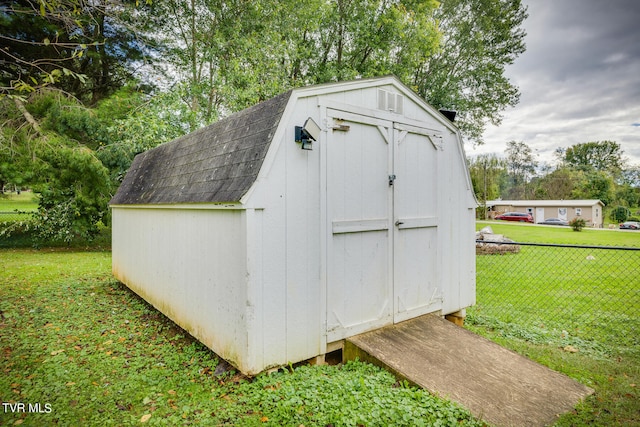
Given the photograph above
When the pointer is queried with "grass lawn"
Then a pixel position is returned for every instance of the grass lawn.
(553, 234)
(574, 310)
(90, 352)
(17, 231)
(25, 201)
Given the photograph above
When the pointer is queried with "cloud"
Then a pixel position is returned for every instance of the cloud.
(579, 78)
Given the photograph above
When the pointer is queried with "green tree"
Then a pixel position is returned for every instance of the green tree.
(486, 171)
(233, 54)
(479, 39)
(595, 185)
(628, 186)
(74, 199)
(619, 214)
(558, 184)
(600, 156)
(521, 165)
(85, 48)
(50, 138)
(132, 123)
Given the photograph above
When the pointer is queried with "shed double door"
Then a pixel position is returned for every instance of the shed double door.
(381, 207)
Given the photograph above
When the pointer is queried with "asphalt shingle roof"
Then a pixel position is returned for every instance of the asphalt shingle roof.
(217, 163)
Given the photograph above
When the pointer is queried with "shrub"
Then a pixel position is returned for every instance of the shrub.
(619, 214)
(577, 224)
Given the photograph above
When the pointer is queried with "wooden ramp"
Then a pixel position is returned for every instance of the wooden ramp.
(495, 384)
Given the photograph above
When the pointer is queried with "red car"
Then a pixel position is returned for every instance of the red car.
(516, 216)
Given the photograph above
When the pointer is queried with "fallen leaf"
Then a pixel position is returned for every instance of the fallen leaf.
(570, 349)
(145, 418)
(171, 392)
(54, 353)
(70, 383)
(264, 419)
(18, 422)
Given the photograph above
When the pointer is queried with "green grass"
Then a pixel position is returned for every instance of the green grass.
(14, 223)
(77, 340)
(25, 201)
(91, 352)
(562, 235)
(574, 310)
(556, 289)
(17, 229)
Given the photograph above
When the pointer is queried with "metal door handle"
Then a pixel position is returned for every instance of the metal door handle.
(399, 222)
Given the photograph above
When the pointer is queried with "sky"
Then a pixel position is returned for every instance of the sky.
(579, 79)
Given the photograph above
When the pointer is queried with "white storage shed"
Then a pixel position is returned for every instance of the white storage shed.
(322, 213)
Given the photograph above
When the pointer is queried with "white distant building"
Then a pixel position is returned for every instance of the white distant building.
(590, 210)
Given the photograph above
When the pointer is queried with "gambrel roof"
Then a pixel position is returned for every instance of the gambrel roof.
(217, 163)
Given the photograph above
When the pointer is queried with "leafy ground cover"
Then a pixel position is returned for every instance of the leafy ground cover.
(574, 310)
(88, 351)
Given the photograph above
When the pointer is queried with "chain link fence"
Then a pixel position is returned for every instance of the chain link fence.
(8, 217)
(582, 298)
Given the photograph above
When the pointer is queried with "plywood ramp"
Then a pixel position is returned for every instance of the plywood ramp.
(495, 384)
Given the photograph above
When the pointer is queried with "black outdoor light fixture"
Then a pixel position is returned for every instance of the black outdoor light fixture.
(449, 114)
(307, 134)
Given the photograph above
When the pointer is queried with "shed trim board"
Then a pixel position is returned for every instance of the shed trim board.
(373, 226)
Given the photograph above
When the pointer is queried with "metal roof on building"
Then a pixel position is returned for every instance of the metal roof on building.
(543, 203)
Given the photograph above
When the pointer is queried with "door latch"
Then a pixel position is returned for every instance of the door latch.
(399, 223)
(391, 179)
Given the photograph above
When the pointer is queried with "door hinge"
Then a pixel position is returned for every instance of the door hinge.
(391, 179)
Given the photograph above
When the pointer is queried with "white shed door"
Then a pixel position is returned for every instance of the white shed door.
(381, 204)
(416, 280)
(359, 294)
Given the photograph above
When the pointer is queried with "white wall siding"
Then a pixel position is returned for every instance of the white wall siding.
(191, 265)
(456, 212)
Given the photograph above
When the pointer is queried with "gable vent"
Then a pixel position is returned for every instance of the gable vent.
(389, 101)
